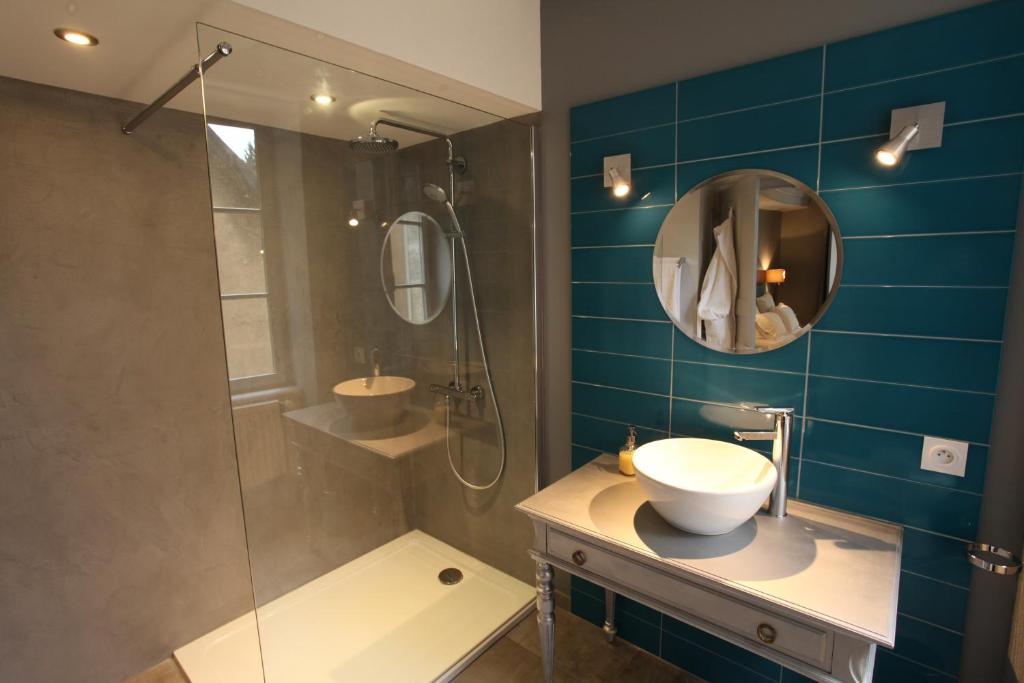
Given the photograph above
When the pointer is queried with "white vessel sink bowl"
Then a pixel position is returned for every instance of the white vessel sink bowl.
(375, 402)
(703, 486)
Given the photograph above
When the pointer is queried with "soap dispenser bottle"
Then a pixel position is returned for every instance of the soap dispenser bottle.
(626, 454)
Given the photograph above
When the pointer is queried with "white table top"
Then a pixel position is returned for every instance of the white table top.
(834, 567)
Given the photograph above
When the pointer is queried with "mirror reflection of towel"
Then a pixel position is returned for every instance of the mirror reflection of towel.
(670, 282)
(718, 293)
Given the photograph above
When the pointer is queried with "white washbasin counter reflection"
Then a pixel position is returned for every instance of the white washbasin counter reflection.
(701, 485)
(376, 401)
(835, 573)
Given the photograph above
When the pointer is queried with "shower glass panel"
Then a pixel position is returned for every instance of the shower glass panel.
(358, 385)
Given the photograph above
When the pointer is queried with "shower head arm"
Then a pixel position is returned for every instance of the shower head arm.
(408, 127)
(416, 129)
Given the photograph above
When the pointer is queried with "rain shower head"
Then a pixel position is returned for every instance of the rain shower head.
(435, 193)
(372, 143)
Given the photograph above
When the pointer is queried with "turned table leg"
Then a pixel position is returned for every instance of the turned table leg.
(546, 619)
(609, 616)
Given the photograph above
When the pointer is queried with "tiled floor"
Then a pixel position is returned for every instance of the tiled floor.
(582, 656)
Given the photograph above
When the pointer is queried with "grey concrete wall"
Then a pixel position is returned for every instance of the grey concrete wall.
(594, 49)
(121, 532)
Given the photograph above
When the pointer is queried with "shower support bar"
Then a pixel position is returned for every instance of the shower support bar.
(223, 50)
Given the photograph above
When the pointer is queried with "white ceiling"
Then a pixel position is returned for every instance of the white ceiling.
(147, 45)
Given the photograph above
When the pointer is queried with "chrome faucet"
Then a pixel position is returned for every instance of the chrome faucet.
(375, 361)
(782, 429)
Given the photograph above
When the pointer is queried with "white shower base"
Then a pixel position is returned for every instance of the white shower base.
(382, 617)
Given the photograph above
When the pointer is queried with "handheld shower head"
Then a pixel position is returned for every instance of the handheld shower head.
(436, 193)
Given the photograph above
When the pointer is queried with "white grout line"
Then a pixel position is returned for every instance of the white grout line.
(821, 116)
(625, 355)
(938, 533)
(747, 154)
(615, 246)
(635, 168)
(952, 124)
(951, 677)
(893, 476)
(621, 208)
(622, 132)
(823, 93)
(631, 320)
(739, 367)
(902, 384)
(882, 429)
(610, 282)
(803, 416)
(932, 578)
(859, 286)
(983, 119)
(743, 109)
(956, 233)
(925, 73)
(929, 623)
(921, 182)
(616, 422)
(910, 336)
(671, 375)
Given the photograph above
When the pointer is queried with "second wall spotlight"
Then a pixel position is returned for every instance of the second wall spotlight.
(912, 128)
(618, 174)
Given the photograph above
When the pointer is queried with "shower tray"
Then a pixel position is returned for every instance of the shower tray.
(384, 616)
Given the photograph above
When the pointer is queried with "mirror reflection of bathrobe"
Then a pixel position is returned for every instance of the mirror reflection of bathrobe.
(717, 303)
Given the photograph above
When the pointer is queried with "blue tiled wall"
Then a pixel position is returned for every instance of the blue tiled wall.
(909, 347)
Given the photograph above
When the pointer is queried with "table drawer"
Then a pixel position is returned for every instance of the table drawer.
(762, 628)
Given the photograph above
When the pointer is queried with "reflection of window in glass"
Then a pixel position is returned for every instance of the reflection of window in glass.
(409, 265)
(238, 231)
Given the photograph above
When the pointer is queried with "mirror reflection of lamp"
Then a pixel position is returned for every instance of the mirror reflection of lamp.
(358, 213)
(771, 276)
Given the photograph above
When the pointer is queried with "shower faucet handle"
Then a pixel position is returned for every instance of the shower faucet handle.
(475, 392)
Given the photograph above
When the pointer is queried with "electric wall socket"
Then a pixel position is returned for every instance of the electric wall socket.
(944, 455)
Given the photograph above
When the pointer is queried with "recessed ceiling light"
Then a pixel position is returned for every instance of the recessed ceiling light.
(323, 99)
(76, 37)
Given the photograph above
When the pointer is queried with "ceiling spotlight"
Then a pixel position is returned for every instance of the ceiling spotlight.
(353, 222)
(892, 151)
(617, 174)
(912, 128)
(76, 37)
(323, 99)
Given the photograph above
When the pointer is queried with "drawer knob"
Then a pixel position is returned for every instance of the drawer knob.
(766, 633)
(579, 557)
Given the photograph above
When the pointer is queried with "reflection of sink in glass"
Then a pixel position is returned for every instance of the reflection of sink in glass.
(703, 486)
(373, 402)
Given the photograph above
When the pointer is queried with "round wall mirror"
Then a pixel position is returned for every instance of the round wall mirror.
(416, 267)
(747, 261)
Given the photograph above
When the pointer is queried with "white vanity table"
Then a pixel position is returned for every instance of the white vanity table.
(815, 591)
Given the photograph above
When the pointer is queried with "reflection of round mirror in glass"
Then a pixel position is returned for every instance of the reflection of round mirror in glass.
(747, 261)
(416, 267)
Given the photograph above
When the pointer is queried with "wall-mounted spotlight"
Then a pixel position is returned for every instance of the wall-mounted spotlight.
(618, 174)
(912, 128)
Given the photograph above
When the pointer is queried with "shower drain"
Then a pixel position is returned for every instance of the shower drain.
(449, 576)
